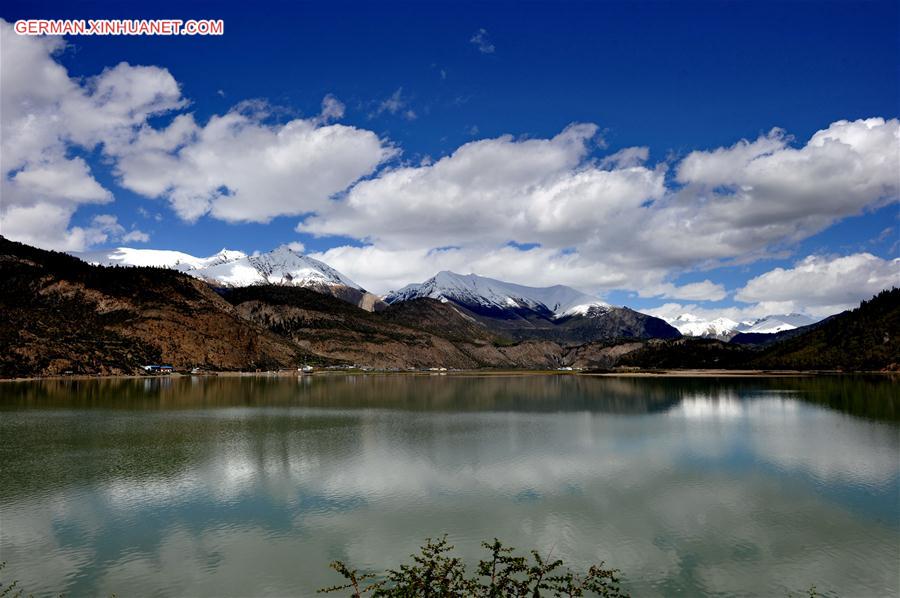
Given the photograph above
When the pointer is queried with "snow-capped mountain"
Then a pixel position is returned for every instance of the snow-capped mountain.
(691, 325)
(228, 268)
(279, 266)
(519, 312)
(490, 295)
(726, 328)
(777, 323)
(231, 268)
(160, 258)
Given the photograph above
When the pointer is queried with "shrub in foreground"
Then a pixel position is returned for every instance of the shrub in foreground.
(435, 573)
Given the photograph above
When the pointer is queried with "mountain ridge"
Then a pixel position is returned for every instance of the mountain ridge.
(230, 268)
(66, 316)
(723, 328)
(494, 294)
(557, 313)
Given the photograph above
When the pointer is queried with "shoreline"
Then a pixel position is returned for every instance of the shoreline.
(673, 373)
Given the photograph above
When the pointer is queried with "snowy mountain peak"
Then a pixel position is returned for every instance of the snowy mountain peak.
(488, 293)
(725, 328)
(232, 268)
(691, 325)
(778, 323)
(285, 266)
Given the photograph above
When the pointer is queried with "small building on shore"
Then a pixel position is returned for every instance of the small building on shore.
(158, 369)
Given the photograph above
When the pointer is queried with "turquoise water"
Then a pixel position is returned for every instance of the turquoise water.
(250, 486)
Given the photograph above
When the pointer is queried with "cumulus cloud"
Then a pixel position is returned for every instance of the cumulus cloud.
(766, 191)
(49, 226)
(238, 167)
(43, 115)
(705, 290)
(824, 285)
(381, 270)
(626, 158)
(529, 210)
(491, 191)
(618, 216)
(816, 285)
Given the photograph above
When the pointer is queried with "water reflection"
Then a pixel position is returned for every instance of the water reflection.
(873, 397)
(183, 486)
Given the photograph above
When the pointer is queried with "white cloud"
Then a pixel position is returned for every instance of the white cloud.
(626, 158)
(240, 168)
(613, 222)
(135, 236)
(481, 41)
(824, 285)
(332, 109)
(490, 192)
(817, 286)
(705, 290)
(381, 269)
(43, 115)
(237, 167)
(617, 218)
(47, 226)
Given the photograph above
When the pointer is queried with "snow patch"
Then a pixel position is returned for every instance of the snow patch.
(479, 291)
(231, 268)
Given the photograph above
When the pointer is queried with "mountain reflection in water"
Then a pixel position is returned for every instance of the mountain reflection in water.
(238, 486)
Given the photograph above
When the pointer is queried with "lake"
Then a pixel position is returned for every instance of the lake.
(215, 486)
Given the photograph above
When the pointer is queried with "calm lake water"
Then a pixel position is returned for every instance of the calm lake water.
(250, 486)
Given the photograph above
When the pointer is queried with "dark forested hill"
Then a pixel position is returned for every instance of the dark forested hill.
(865, 338)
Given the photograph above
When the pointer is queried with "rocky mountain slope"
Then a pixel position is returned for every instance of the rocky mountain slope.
(490, 297)
(63, 315)
(227, 268)
(423, 333)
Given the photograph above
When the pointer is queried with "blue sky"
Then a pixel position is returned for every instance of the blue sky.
(426, 78)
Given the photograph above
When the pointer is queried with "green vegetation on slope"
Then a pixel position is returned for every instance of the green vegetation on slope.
(865, 338)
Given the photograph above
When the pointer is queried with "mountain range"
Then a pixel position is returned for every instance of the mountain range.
(517, 312)
(557, 313)
(537, 309)
(520, 311)
(725, 329)
(228, 268)
(232, 311)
